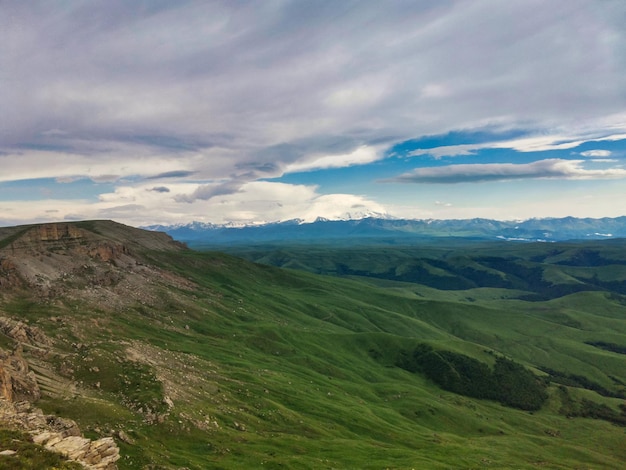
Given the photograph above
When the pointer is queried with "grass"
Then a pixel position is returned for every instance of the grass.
(274, 368)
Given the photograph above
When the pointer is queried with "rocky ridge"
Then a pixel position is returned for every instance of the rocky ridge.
(97, 265)
(98, 262)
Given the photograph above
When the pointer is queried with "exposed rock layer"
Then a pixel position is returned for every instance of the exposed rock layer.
(60, 435)
(97, 263)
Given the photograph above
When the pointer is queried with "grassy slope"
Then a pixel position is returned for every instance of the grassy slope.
(293, 370)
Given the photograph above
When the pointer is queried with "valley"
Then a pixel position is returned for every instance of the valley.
(460, 355)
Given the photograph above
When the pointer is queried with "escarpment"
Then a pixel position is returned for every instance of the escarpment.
(101, 263)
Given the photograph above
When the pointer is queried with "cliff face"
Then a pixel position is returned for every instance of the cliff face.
(65, 238)
(76, 259)
(71, 235)
(55, 232)
(17, 382)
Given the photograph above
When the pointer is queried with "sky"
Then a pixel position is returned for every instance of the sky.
(166, 112)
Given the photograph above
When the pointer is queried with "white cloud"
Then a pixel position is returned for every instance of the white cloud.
(567, 204)
(541, 143)
(271, 72)
(435, 90)
(359, 156)
(558, 140)
(255, 202)
(448, 150)
(111, 163)
(334, 206)
(209, 191)
(596, 153)
(470, 173)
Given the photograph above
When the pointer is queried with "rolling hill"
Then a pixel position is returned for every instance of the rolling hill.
(543, 271)
(199, 360)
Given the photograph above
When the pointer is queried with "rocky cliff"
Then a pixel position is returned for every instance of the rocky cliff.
(99, 262)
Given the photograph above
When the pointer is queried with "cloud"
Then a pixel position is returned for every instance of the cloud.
(562, 140)
(67, 179)
(105, 178)
(172, 174)
(160, 189)
(254, 202)
(208, 191)
(473, 173)
(596, 153)
(115, 164)
(265, 168)
(120, 211)
(190, 75)
(224, 94)
(448, 151)
(359, 156)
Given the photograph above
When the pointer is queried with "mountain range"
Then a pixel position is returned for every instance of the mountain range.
(390, 231)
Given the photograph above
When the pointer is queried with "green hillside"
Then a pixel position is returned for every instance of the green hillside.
(544, 271)
(222, 363)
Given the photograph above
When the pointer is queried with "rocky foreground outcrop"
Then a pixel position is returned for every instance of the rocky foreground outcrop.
(60, 435)
(19, 389)
(17, 381)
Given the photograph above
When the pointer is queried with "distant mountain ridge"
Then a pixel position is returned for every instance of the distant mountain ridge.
(385, 230)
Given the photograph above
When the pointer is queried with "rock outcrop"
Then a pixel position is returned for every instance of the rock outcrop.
(9, 274)
(60, 435)
(98, 264)
(17, 382)
(19, 389)
(23, 333)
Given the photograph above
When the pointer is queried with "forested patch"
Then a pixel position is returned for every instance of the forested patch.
(508, 382)
(589, 409)
(580, 381)
(616, 348)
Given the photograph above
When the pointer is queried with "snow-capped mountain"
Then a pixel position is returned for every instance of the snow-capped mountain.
(389, 230)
